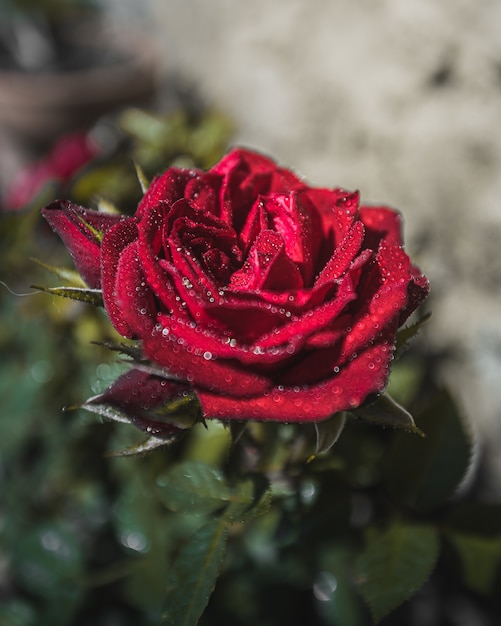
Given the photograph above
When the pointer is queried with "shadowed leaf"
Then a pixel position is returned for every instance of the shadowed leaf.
(194, 575)
(396, 562)
(425, 472)
(194, 488)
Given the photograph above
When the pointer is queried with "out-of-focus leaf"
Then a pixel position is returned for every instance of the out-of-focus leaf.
(474, 531)
(91, 296)
(396, 562)
(480, 559)
(194, 575)
(386, 412)
(194, 488)
(48, 563)
(336, 597)
(425, 472)
(249, 498)
(17, 613)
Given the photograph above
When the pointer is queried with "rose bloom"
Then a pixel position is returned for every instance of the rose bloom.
(274, 300)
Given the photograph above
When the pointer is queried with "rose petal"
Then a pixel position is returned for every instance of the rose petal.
(346, 390)
(197, 365)
(381, 224)
(114, 243)
(81, 231)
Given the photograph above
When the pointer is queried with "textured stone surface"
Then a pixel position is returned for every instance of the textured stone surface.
(401, 100)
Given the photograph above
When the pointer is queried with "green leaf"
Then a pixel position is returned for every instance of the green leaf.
(194, 488)
(91, 296)
(474, 531)
(396, 562)
(328, 432)
(249, 499)
(480, 559)
(194, 575)
(48, 563)
(386, 412)
(424, 473)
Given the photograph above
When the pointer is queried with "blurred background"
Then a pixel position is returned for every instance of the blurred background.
(399, 99)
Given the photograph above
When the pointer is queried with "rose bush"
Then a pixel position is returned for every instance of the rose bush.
(272, 299)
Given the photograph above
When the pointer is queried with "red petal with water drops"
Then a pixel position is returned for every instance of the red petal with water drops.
(113, 246)
(81, 231)
(344, 391)
(167, 347)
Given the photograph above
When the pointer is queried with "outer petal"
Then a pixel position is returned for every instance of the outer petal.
(115, 242)
(347, 390)
(167, 347)
(381, 224)
(81, 231)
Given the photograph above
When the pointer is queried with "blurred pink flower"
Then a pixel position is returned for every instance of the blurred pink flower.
(66, 157)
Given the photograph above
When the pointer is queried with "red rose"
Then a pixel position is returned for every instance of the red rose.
(272, 299)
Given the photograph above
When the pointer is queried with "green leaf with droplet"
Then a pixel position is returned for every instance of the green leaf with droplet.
(194, 488)
(91, 296)
(425, 472)
(386, 412)
(395, 563)
(193, 577)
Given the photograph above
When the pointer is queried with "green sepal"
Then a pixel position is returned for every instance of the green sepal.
(90, 296)
(404, 335)
(67, 274)
(386, 412)
(396, 562)
(148, 445)
(142, 178)
(98, 234)
(327, 433)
